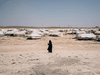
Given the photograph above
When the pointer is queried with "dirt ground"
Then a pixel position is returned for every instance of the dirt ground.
(22, 56)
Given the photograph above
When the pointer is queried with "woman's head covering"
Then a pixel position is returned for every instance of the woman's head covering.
(49, 40)
(50, 43)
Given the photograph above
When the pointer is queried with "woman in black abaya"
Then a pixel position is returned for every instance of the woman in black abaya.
(50, 47)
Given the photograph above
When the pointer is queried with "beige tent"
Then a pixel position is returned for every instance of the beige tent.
(1, 33)
(97, 33)
(98, 38)
(69, 32)
(19, 33)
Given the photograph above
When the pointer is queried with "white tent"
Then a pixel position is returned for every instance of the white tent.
(40, 33)
(46, 33)
(56, 34)
(86, 36)
(19, 33)
(9, 32)
(1, 33)
(34, 36)
(69, 32)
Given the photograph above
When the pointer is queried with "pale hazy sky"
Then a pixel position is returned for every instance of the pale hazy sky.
(80, 13)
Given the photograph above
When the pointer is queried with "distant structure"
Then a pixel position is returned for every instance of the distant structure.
(96, 26)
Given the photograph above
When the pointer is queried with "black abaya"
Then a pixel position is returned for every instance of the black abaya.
(50, 46)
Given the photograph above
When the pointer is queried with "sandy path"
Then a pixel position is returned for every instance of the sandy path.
(43, 63)
(19, 56)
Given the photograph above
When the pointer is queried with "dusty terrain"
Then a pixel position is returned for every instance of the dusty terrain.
(19, 56)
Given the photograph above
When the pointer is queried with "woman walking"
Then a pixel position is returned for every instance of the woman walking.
(50, 47)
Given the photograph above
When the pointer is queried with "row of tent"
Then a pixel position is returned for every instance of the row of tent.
(30, 33)
(38, 33)
(93, 34)
(85, 34)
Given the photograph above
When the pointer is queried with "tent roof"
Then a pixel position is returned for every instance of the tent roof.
(34, 34)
